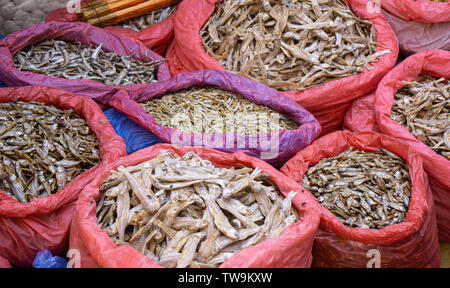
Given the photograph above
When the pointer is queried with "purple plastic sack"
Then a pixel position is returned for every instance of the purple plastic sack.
(275, 148)
(72, 32)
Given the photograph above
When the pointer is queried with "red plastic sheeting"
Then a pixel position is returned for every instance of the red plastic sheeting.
(360, 116)
(420, 11)
(156, 37)
(4, 263)
(328, 102)
(291, 249)
(434, 63)
(412, 243)
(43, 223)
(72, 32)
(275, 148)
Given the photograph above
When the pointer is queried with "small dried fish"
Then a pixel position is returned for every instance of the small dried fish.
(142, 22)
(59, 58)
(196, 225)
(42, 148)
(290, 44)
(367, 190)
(423, 107)
(213, 110)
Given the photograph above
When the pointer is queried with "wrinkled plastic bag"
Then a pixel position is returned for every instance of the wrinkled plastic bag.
(72, 32)
(136, 137)
(420, 11)
(43, 223)
(414, 36)
(328, 102)
(156, 37)
(291, 249)
(4, 263)
(360, 116)
(434, 63)
(275, 148)
(45, 259)
(412, 243)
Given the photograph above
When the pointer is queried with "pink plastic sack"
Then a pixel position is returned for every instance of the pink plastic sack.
(84, 33)
(360, 116)
(275, 148)
(156, 37)
(417, 10)
(328, 102)
(414, 36)
(434, 63)
(412, 243)
(43, 223)
(291, 249)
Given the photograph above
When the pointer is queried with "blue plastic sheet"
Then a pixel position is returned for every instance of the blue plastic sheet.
(45, 259)
(134, 135)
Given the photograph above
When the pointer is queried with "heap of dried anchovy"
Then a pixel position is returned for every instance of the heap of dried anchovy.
(185, 212)
(423, 107)
(76, 61)
(42, 148)
(367, 190)
(217, 110)
(142, 22)
(290, 44)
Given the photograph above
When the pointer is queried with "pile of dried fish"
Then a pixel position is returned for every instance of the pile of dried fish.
(367, 190)
(213, 110)
(290, 44)
(59, 58)
(42, 148)
(184, 212)
(423, 107)
(142, 22)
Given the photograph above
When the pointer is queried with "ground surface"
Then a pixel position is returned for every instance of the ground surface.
(19, 14)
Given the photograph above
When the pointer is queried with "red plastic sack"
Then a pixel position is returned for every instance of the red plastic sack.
(412, 243)
(420, 10)
(43, 223)
(414, 36)
(435, 63)
(4, 263)
(156, 37)
(360, 116)
(291, 249)
(73, 32)
(276, 148)
(328, 102)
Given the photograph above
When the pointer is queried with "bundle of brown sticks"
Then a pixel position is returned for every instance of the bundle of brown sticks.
(111, 12)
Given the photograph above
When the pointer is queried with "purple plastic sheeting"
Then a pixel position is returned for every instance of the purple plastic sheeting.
(275, 148)
(72, 32)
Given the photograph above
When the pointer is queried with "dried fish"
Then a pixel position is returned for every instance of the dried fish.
(142, 22)
(213, 110)
(423, 107)
(290, 44)
(42, 148)
(367, 190)
(195, 225)
(58, 58)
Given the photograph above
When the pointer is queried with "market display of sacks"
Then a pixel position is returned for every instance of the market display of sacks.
(245, 103)
(78, 61)
(378, 107)
(419, 25)
(157, 36)
(412, 242)
(42, 220)
(292, 248)
(329, 100)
